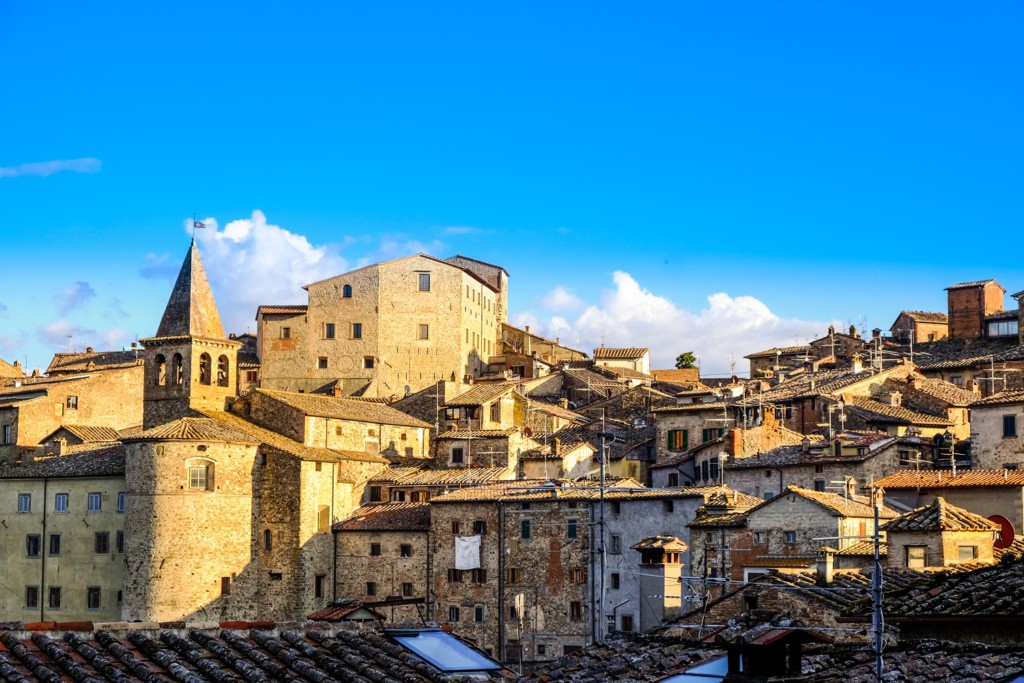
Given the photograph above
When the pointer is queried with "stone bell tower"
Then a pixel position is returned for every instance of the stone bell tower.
(190, 364)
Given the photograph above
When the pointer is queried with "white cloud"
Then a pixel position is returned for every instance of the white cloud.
(397, 246)
(251, 262)
(45, 168)
(629, 315)
(561, 299)
(74, 296)
(55, 337)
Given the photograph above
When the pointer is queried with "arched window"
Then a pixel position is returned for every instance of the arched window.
(199, 474)
(204, 368)
(222, 371)
(346, 292)
(161, 369)
(177, 369)
(268, 542)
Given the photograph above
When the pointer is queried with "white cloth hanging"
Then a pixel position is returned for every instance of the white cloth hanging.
(467, 552)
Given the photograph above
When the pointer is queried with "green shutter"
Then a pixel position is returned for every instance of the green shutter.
(686, 439)
(669, 434)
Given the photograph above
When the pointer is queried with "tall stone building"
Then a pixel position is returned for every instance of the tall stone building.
(388, 329)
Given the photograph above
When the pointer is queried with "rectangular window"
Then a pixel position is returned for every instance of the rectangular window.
(53, 597)
(8, 437)
(95, 502)
(424, 331)
(197, 477)
(479, 527)
(578, 575)
(32, 543)
(790, 536)
(570, 531)
(513, 575)
(627, 623)
(454, 576)
(759, 537)
(673, 479)
(101, 543)
(457, 456)
(357, 330)
(120, 541)
(375, 494)
(55, 544)
(615, 544)
(375, 550)
(250, 375)
(1009, 426)
(92, 597)
(525, 529)
(819, 485)
(669, 505)
(122, 501)
(424, 282)
(368, 363)
(60, 502)
(321, 362)
(456, 527)
(576, 610)
(318, 585)
(496, 411)
(407, 590)
(24, 502)
(678, 439)
(328, 330)
(405, 550)
(710, 434)
(453, 613)
(72, 403)
(916, 556)
(966, 553)
(478, 613)
(286, 333)
(31, 597)
(225, 585)
(616, 581)
(478, 575)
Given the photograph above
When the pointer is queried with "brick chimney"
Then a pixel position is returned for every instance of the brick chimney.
(336, 391)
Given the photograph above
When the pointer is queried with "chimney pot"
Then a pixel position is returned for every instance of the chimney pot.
(88, 349)
(825, 566)
(527, 329)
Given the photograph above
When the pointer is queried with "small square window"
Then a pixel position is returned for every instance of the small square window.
(966, 553)
(72, 403)
(371, 588)
(406, 590)
(321, 362)
(286, 333)
(453, 613)
(405, 550)
(424, 282)
(790, 536)
(375, 550)
(368, 363)
(480, 527)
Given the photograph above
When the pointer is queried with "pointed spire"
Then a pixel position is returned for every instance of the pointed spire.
(191, 310)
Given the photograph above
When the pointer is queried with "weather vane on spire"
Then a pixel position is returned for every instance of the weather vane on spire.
(196, 224)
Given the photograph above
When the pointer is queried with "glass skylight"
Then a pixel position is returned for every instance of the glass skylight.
(444, 651)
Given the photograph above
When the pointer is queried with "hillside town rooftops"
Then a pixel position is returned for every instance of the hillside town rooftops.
(840, 506)
(478, 433)
(780, 351)
(421, 475)
(525, 490)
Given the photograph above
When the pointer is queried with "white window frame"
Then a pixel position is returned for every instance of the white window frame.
(95, 502)
(61, 502)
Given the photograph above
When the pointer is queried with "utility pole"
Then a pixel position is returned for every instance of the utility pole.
(603, 434)
(876, 594)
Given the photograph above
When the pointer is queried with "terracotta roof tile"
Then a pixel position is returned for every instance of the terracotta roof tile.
(940, 516)
(877, 411)
(87, 433)
(480, 394)
(316, 405)
(540, 490)
(420, 475)
(282, 310)
(477, 433)
(388, 517)
(1001, 399)
(933, 479)
(89, 461)
(976, 283)
(780, 350)
(63, 363)
(622, 353)
(194, 429)
(854, 506)
(926, 316)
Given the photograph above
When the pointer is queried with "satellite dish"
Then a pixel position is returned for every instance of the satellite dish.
(1006, 533)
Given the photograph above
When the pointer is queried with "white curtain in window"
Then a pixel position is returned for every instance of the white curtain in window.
(467, 552)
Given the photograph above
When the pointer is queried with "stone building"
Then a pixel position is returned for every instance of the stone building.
(63, 535)
(388, 329)
(635, 359)
(969, 304)
(918, 327)
(383, 555)
(997, 431)
(939, 535)
(33, 409)
(539, 591)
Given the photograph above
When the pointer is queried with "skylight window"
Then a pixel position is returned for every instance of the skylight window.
(444, 651)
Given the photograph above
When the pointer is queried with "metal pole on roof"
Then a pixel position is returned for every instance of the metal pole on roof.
(603, 434)
(876, 594)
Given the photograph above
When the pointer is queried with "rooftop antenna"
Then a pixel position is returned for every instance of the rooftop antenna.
(69, 343)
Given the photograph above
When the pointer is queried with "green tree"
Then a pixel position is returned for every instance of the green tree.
(686, 360)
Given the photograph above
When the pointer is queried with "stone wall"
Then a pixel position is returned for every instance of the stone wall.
(283, 360)
(392, 574)
(990, 450)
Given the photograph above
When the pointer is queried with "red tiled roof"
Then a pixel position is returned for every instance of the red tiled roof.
(940, 516)
(285, 310)
(388, 517)
(932, 479)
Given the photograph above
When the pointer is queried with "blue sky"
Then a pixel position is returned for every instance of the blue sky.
(707, 176)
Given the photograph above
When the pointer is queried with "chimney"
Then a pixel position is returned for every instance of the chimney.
(851, 487)
(825, 565)
(17, 364)
(878, 496)
(59, 445)
(858, 363)
(895, 399)
(527, 329)
(564, 403)
(35, 372)
(556, 446)
(88, 349)
(876, 333)
(336, 391)
(853, 331)
(805, 445)
(558, 341)
(735, 443)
